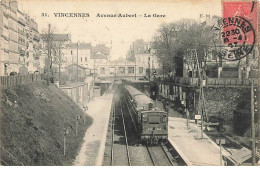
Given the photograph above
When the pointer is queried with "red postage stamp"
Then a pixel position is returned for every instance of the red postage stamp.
(239, 27)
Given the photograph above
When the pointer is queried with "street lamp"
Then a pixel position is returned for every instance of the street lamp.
(65, 133)
(77, 119)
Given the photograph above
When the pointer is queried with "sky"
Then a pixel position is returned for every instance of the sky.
(117, 33)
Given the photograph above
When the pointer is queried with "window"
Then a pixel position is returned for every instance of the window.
(131, 70)
(164, 118)
(86, 59)
(122, 70)
(81, 59)
(102, 70)
(71, 52)
(112, 70)
(141, 70)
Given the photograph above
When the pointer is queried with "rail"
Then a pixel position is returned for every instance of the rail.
(159, 155)
(149, 153)
(11, 81)
(164, 150)
(127, 149)
(113, 132)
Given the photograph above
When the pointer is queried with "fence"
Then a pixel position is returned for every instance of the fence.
(10, 81)
(214, 81)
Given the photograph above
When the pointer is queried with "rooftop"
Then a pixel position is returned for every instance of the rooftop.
(98, 55)
(60, 37)
(81, 46)
(57, 37)
(101, 48)
(82, 67)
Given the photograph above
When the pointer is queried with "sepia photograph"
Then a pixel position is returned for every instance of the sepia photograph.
(129, 83)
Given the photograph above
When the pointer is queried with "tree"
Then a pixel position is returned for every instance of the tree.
(172, 41)
(52, 49)
(47, 43)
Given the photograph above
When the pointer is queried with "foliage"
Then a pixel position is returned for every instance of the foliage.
(173, 40)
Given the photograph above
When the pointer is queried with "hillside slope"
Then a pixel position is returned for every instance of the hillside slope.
(33, 118)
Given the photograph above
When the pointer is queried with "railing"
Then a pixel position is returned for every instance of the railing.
(213, 81)
(10, 81)
(231, 81)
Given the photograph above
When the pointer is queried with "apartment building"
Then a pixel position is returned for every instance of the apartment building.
(19, 42)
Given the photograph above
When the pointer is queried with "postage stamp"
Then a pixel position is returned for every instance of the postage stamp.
(239, 29)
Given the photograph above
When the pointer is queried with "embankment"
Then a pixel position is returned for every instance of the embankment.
(33, 120)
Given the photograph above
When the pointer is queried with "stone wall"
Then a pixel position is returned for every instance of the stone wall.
(78, 92)
(219, 101)
(226, 101)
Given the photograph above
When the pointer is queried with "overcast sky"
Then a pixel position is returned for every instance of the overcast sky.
(121, 31)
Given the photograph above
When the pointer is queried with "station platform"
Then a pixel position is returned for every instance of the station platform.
(93, 147)
(193, 150)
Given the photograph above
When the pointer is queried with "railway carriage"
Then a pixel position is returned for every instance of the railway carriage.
(150, 122)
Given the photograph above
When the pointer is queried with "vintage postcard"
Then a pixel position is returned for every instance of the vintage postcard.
(129, 83)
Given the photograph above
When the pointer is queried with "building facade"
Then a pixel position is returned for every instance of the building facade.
(77, 53)
(141, 52)
(19, 42)
(120, 69)
(100, 55)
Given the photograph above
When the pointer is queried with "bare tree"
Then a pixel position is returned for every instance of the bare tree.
(47, 47)
(172, 41)
(52, 49)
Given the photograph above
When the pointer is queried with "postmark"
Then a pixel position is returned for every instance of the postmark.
(238, 30)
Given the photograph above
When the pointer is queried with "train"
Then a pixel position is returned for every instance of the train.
(150, 122)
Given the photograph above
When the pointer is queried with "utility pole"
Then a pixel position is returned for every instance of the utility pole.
(59, 62)
(220, 142)
(149, 69)
(201, 93)
(94, 72)
(77, 62)
(49, 54)
(77, 118)
(64, 141)
(135, 68)
(163, 69)
(253, 123)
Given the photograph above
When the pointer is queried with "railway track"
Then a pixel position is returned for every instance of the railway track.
(119, 146)
(159, 155)
(126, 141)
(113, 133)
(123, 142)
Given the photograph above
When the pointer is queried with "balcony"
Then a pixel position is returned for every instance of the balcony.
(6, 50)
(13, 16)
(35, 29)
(6, 14)
(36, 38)
(6, 38)
(22, 33)
(21, 21)
(22, 52)
(5, 25)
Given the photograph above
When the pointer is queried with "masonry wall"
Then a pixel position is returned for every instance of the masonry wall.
(226, 101)
(79, 94)
(219, 101)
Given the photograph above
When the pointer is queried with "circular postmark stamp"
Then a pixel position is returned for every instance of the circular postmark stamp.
(238, 38)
